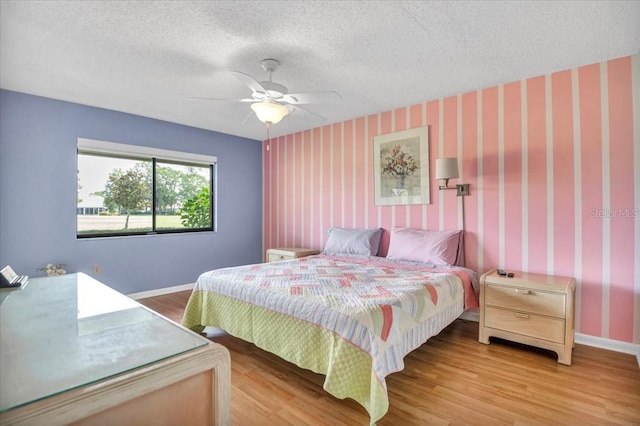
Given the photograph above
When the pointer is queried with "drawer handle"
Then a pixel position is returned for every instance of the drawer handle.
(281, 257)
(521, 315)
(523, 291)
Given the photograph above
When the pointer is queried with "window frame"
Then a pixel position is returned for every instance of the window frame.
(153, 155)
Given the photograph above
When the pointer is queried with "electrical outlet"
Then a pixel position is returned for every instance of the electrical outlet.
(96, 269)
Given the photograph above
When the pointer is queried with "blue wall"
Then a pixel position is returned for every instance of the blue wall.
(38, 138)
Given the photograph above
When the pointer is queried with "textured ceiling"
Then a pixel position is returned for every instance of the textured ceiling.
(148, 58)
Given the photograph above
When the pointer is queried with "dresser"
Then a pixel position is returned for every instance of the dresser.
(74, 351)
(288, 253)
(533, 309)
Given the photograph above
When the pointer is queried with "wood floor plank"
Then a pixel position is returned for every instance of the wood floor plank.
(452, 379)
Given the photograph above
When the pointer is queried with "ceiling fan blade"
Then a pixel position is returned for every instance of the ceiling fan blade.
(297, 107)
(312, 98)
(250, 82)
(223, 99)
(247, 117)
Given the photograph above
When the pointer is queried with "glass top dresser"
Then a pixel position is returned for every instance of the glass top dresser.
(74, 351)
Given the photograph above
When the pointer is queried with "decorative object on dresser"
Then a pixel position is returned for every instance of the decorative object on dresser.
(533, 309)
(53, 269)
(288, 253)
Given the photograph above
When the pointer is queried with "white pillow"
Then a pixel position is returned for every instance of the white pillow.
(353, 241)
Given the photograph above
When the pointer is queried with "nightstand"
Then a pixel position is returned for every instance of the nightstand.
(287, 253)
(532, 309)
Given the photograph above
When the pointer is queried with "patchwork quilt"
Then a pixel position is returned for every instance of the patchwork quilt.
(352, 319)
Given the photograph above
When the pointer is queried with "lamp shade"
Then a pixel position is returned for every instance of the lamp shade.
(447, 168)
(269, 112)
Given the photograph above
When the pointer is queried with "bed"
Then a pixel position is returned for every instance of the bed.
(350, 316)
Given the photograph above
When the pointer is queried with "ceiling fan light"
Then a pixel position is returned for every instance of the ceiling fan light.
(269, 112)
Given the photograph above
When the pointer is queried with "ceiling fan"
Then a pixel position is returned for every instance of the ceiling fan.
(271, 101)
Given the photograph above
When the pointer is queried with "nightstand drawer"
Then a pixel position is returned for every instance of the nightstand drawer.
(274, 257)
(532, 325)
(526, 300)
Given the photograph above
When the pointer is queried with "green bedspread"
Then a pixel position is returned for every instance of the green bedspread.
(305, 344)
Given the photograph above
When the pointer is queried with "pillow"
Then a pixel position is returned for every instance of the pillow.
(437, 247)
(353, 241)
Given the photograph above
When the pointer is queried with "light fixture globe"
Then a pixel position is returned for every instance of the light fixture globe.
(269, 112)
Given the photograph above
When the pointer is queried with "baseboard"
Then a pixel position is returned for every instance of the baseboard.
(161, 291)
(609, 344)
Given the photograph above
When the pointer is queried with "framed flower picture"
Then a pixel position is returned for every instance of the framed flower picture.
(401, 167)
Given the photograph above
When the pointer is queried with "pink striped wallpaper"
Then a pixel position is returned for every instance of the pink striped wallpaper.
(553, 163)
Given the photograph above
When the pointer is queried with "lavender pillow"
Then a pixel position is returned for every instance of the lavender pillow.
(437, 247)
(353, 241)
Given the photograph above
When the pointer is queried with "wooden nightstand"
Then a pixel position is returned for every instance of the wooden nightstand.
(533, 309)
(287, 253)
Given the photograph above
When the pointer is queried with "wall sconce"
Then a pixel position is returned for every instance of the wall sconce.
(447, 168)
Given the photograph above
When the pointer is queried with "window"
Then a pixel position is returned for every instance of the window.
(133, 190)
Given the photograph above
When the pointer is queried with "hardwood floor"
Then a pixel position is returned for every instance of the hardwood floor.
(451, 379)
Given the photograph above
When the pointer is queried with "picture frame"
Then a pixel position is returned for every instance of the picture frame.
(401, 167)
